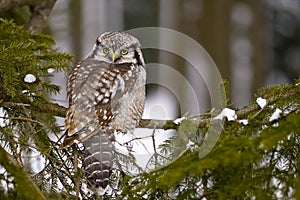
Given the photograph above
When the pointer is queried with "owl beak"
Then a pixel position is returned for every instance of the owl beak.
(113, 57)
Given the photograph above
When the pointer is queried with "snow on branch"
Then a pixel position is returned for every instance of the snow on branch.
(60, 111)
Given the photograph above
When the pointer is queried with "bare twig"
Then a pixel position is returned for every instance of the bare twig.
(154, 147)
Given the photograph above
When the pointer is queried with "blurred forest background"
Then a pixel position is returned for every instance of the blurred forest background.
(253, 43)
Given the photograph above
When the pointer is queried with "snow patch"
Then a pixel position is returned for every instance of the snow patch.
(50, 70)
(261, 102)
(29, 78)
(227, 112)
(179, 120)
(275, 115)
(190, 143)
(243, 121)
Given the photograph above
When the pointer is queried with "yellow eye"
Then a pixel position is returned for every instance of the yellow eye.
(124, 52)
(105, 50)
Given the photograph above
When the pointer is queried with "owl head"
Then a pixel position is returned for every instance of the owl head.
(118, 48)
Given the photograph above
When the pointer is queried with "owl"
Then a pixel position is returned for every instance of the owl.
(106, 94)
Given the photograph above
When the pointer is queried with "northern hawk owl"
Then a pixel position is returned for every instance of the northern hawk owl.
(106, 94)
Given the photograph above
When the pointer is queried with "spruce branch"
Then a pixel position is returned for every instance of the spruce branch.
(169, 124)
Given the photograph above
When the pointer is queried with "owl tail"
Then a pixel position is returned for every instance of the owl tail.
(98, 161)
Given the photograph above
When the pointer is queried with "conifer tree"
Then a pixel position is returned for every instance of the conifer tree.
(26, 62)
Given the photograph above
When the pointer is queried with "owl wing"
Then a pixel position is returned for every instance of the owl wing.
(118, 108)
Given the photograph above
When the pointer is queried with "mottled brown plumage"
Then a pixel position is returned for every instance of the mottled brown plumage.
(106, 95)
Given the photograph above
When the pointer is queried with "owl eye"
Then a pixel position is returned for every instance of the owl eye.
(124, 52)
(105, 50)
